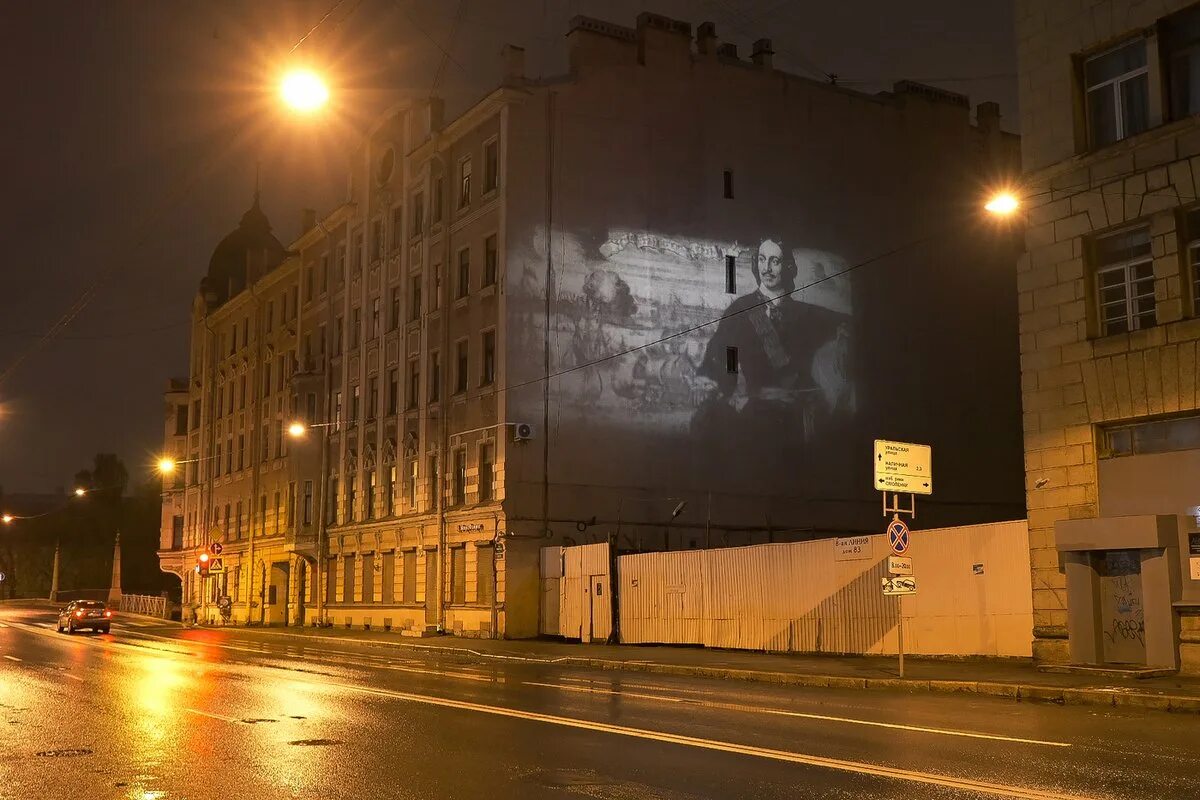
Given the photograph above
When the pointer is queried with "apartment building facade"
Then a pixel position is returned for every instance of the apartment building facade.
(1110, 318)
(664, 300)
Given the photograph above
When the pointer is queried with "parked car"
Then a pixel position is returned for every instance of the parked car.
(85, 614)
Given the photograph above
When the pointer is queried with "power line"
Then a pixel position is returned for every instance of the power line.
(320, 22)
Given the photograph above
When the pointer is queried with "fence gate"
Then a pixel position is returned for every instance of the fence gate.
(584, 592)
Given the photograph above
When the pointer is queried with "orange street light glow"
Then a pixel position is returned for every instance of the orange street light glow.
(1002, 204)
(80, 492)
(304, 91)
(166, 465)
(7, 519)
(296, 430)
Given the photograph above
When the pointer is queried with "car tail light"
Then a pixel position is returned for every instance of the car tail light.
(108, 613)
(79, 613)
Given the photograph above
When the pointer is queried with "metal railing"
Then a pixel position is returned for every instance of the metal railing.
(150, 605)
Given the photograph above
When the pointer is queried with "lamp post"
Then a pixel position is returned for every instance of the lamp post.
(299, 430)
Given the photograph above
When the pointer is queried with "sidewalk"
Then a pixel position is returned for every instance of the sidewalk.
(1015, 679)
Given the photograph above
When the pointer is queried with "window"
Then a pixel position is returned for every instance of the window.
(414, 299)
(262, 513)
(181, 420)
(376, 239)
(369, 494)
(397, 226)
(459, 485)
(291, 505)
(437, 199)
(309, 281)
(331, 511)
(355, 327)
(435, 376)
(195, 415)
(375, 318)
(491, 166)
(434, 479)
(490, 258)
(372, 397)
(460, 358)
(731, 274)
(348, 579)
(324, 283)
(340, 265)
(279, 438)
(241, 459)
(485, 573)
(368, 578)
(351, 496)
(229, 456)
(488, 373)
(487, 459)
(418, 214)
(393, 391)
(458, 575)
(1191, 227)
(310, 408)
(306, 507)
(177, 532)
(464, 272)
(242, 392)
(731, 360)
(414, 383)
(355, 397)
(1159, 436)
(337, 408)
(1117, 87)
(356, 253)
(464, 183)
(389, 490)
(331, 580)
(728, 184)
(337, 336)
(394, 309)
(238, 521)
(435, 291)
(411, 497)
(266, 444)
(228, 530)
(321, 340)
(1124, 281)
(409, 581)
(1180, 43)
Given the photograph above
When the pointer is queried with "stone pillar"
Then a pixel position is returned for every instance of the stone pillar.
(54, 575)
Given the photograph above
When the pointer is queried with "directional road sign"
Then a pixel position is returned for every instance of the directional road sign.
(899, 585)
(897, 533)
(216, 548)
(903, 467)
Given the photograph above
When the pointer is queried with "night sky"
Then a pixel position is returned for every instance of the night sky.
(132, 131)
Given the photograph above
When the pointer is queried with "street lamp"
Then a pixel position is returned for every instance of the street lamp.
(304, 91)
(7, 519)
(80, 491)
(1002, 204)
(166, 465)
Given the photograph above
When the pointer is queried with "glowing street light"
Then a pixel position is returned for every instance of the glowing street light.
(80, 491)
(304, 91)
(1002, 204)
(297, 430)
(7, 519)
(166, 465)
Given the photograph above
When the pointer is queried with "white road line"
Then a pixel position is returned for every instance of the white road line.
(11, 658)
(842, 765)
(214, 716)
(72, 677)
(802, 715)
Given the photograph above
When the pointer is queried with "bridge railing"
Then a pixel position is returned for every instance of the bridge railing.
(150, 605)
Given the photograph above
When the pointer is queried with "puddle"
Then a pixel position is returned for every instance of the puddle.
(315, 742)
(66, 752)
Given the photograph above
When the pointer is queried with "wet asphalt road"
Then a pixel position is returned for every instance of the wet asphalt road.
(158, 711)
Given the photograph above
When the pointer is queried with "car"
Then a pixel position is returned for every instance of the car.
(85, 614)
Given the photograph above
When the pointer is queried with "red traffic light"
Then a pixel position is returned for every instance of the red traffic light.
(203, 558)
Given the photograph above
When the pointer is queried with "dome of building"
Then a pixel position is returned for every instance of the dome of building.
(250, 241)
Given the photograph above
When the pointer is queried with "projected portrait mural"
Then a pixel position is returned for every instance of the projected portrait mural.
(713, 343)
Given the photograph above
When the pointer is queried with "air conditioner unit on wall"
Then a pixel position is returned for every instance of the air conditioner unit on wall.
(522, 432)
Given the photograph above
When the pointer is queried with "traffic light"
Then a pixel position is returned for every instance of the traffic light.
(203, 560)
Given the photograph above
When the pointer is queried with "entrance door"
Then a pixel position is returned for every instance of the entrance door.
(1121, 613)
(301, 592)
(277, 594)
(431, 587)
(601, 610)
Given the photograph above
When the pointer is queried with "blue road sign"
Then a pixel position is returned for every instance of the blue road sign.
(897, 533)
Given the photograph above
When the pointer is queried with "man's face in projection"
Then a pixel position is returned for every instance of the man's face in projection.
(770, 266)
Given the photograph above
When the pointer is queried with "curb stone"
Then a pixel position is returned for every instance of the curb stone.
(1013, 691)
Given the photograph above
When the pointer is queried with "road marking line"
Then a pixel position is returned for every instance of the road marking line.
(857, 767)
(802, 715)
(11, 658)
(214, 716)
(72, 677)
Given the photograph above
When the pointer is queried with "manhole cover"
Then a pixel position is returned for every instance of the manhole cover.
(66, 752)
(315, 742)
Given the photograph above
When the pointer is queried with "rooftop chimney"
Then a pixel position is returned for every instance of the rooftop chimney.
(514, 64)
(761, 54)
(727, 50)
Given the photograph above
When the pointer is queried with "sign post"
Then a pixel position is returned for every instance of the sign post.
(901, 468)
